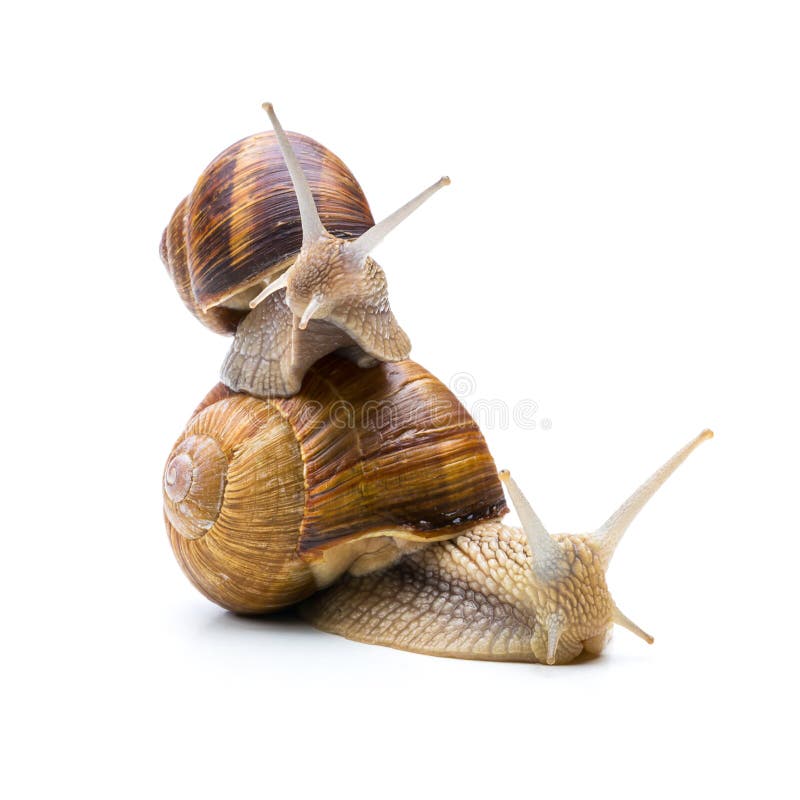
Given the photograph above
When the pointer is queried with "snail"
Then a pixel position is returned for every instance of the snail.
(279, 211)
(371, 498)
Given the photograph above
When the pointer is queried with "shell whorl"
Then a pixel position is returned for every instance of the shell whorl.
(241, 223)
(233, 500)
(194, 485)
(174, 255)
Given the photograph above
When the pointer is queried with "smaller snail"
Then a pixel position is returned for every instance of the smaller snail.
(279, 209)
(334, 296)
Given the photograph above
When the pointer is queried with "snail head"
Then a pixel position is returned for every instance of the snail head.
(574, 608)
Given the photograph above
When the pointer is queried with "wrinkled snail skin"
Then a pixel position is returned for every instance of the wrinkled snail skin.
(495, 592)
(473, 597)
(268, 501)
(266, 359)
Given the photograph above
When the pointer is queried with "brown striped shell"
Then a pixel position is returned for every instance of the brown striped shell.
(241, 226)
(268, 500)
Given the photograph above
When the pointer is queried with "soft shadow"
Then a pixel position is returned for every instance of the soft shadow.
(586, 658)
(285, 622)
(583, 661)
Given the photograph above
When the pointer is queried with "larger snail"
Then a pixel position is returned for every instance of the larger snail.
(371, 497)
(278, 224)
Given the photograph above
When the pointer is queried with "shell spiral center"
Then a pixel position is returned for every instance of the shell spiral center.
(194, 485)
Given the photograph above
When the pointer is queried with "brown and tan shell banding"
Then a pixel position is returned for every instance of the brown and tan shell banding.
(359, 453)
(241, 225)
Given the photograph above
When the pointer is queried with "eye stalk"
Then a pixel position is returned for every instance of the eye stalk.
(571, 568)
(547, 556)
(620, 619)
(607, 537)
(314, 304)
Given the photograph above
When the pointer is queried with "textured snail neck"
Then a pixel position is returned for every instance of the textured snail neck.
(267, 359)
(473, 597)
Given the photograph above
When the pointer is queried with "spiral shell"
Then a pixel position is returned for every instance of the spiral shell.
(241, 224)
(268, 500)
(194, 483)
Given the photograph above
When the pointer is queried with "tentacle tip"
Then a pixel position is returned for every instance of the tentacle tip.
(259, 299)
(267, 107)
(649, 639)
(706, 434)
(504, 475)
(444, 180)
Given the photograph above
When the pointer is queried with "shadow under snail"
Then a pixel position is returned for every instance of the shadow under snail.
(371, 499)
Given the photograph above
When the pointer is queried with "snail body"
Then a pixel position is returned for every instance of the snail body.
(370, 497)
(476, 597)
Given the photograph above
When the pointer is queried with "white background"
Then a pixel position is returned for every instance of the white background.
(619, 244)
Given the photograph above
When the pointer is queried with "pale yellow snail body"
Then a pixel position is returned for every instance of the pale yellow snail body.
(495, 592)
(370, 498)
